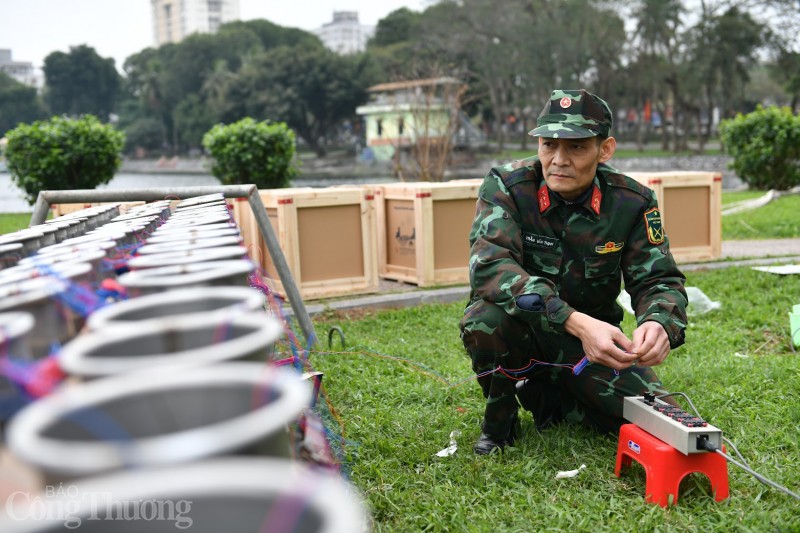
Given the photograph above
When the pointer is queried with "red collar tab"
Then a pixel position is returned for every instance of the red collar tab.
(597, 197)
(544, 198)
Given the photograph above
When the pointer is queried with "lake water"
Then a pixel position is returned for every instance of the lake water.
(13, 198)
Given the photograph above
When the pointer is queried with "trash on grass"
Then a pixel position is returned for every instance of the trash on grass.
(780, 269)
(569, 473)
(699, 303)
(450, 450)
(742, 355)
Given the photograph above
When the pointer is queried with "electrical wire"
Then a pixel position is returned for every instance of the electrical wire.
(733, 446)
(710, 447)
(704, 443)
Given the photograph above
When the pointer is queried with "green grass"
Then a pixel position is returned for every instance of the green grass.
(397, 413)
(776, 220)
(13, 221)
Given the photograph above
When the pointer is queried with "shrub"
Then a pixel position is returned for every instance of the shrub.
(252, 152)
(765, 146)
(62, 153)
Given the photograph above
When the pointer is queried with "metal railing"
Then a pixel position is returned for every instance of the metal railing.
(47, 198)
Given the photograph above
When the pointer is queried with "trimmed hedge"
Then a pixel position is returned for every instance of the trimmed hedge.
(765, 146)
(247, 151)
(63, 153)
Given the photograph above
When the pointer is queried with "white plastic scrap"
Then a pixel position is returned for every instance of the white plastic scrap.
(780, 269)
(450, 450)
(699, 303)
(569, 473)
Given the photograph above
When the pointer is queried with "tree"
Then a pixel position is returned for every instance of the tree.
(63, 153)
(310, 88)
(398, 26)
(657, 23)
(787, 71)
(143, 133)
(189, 86)
(247, 151)
(80, 82)
(482, 45)
(18, 103)
(272, 35)
(396, 46)
(145, 82)
(723, 50)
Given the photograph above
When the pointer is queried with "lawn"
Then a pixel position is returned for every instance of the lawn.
(777, 220)
(403, 383)
(13, 221)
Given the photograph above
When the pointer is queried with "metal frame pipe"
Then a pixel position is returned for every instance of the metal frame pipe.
(46, 198)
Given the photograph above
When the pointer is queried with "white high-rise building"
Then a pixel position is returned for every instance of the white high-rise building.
(175, 19)
(22, 71)
(345, 35)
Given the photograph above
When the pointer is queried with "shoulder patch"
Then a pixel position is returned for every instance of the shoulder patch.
(652, 224)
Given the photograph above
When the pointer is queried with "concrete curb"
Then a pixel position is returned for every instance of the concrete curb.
(392, 300)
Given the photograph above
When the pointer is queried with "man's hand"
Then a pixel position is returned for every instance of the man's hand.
(602, 343)
(650, 343)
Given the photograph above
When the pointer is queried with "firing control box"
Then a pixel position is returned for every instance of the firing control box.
(670, 424)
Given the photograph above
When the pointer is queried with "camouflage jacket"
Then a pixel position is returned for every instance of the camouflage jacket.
(526, 240)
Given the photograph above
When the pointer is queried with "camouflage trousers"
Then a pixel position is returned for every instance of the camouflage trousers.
(593, 398)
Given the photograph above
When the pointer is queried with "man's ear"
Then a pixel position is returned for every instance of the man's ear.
(607, 149)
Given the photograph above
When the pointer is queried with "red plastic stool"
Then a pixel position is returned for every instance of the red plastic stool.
(665, 466)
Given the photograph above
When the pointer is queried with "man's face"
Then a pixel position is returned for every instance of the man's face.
(569, 165)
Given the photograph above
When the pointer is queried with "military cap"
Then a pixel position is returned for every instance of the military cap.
(573, 114)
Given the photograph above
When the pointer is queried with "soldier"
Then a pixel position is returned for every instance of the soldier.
(553, 237)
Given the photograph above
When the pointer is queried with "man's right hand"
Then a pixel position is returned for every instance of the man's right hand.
(602, 343)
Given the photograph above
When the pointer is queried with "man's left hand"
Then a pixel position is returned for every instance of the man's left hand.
(650, 343)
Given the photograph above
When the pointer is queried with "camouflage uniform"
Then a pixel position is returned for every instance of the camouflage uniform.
(565, 256)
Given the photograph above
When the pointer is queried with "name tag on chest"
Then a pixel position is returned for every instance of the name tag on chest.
(542, 242)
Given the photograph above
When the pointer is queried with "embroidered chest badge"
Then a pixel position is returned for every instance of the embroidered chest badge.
(609, 247)
(652, 224)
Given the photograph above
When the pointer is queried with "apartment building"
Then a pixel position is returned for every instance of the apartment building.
(173, 20)
(344, 35)
(22, 71)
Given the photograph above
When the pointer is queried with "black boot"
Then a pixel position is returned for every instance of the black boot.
(486, 443)
(542, 399)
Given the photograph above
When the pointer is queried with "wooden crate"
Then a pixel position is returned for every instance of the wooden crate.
(327, 236)
(423, 231)
(691, 211)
